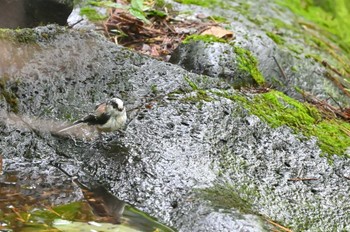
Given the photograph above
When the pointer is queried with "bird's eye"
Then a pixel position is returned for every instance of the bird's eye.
(114, 104)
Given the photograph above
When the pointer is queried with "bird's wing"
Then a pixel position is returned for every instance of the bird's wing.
(99, 118)
(92, 119)
(100, 109)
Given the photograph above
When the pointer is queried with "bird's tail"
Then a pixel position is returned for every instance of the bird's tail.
(69, 127)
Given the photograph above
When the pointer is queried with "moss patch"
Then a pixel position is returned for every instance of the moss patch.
(325, 29)
(8, 95)
(277, 109)
(248, 63)
(218, 19)
(246, 60)
(205, 3)
(276, 38)
(226, 197)
(198, 96)
(331, 18)
(25, 35)
(29, 35)
(204, 38)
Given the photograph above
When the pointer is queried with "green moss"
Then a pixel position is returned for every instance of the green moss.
(204, 3)
(25, 35)
(294, 69)
(191, 83)
(276, 38)
(255, 20)
(154, 89)
(244, 9)
(204, 38)
(278, 109)
(218, 19)
(333, 136)
(334, 22)
(285, 110)
(200, 94)
(279, 24)
(315, 57)
(198, 97)
(4, 33)
(248, 63)
(28, 35)
(227, 197)
(325, 29)
(316, 41)
(92, 14)
(7, 94)
(295, 48)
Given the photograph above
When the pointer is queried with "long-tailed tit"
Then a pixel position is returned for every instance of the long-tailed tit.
(109, 116)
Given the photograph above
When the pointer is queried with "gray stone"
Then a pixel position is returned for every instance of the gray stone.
(173, 149)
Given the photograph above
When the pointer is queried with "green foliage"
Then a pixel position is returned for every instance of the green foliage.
(70, 211)
(330, 15)
(149, 220)
(137, 8)
(248, 63)
(324, 27)
(106, 4)
(70, 217)
(92, 14)
(39, 219)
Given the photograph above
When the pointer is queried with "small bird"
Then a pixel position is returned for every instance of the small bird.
(109, 116)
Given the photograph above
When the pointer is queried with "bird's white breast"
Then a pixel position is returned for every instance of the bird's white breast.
(114, 123)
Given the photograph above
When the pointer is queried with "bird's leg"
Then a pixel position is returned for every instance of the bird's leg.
(122, 132)
(102, 141)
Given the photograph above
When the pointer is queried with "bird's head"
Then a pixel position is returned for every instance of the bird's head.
(115, 105)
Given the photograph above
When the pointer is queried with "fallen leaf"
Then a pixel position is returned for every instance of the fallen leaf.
(218, 32)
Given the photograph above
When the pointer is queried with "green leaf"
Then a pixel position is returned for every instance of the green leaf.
(107, 4)
(137, 5)
(138, 14)
(156, 13)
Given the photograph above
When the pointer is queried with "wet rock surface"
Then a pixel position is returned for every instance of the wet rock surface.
(251, 21)
(212, 59)
(174, 146)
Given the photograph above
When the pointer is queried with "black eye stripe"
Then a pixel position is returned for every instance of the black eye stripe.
(114, 104)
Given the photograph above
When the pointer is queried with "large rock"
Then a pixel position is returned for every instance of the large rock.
(297, 51)
(193, 159)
